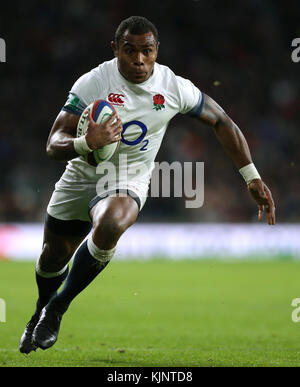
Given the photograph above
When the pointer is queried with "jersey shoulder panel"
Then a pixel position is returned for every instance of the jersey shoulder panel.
(184, 93)
(91, 84)
(86, 88)
(189, 94)
(89, 87)
(104, 72)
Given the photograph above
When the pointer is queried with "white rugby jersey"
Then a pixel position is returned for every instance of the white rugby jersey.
(145, 110)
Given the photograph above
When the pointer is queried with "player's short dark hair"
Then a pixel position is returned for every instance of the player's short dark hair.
(137, 25)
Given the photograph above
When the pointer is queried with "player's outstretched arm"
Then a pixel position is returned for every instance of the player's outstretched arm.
(234, 143)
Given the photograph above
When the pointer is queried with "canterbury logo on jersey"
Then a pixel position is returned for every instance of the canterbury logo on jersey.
(116, 99)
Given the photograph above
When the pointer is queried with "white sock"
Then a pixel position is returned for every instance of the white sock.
(46, 274)
(100, 255)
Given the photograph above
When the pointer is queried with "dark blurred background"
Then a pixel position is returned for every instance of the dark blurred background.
(238, 52)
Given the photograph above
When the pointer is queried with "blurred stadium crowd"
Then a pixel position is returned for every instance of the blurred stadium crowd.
(239, 53)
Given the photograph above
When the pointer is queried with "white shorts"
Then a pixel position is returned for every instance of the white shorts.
(74, 200)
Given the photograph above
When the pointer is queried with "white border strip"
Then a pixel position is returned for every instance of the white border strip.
(174, 241)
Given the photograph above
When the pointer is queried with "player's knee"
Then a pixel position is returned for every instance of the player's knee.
(110, 226)
(54, 257)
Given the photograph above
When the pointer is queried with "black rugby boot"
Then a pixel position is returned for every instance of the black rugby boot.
(46, 331)
(26, 344)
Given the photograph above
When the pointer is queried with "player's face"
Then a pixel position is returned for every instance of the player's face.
(136, 56)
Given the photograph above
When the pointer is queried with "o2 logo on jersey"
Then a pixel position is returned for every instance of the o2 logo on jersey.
(138, 140)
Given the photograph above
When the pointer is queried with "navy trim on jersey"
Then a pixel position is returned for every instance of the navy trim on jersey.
(72, 110)
(74, 104)
(197, 110)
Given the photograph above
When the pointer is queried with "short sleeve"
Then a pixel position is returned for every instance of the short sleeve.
(84, 92)
(191, 98)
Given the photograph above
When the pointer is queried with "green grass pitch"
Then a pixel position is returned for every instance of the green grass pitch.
(162, 313)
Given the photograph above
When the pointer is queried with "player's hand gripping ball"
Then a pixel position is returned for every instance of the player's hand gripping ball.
(101, 111)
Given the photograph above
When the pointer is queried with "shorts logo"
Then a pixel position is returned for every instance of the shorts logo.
(116, 99)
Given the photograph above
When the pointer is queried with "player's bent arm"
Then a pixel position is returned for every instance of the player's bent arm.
(63, 145)
(60, 144)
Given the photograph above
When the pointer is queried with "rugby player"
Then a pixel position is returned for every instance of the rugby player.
(146, 96)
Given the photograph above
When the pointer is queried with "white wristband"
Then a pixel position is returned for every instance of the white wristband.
(81, 146)
(249, 172)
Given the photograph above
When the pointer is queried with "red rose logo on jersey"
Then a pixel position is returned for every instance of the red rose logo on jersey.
(158, 101)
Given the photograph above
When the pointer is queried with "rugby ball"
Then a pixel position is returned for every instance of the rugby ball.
(100, 110)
